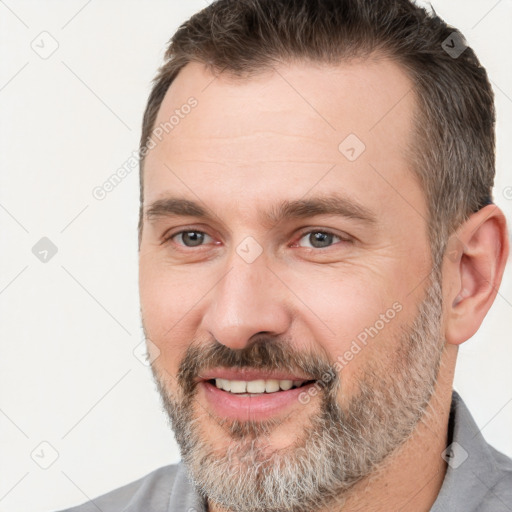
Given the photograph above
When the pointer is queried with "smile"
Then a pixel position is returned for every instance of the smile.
(256, 387)
(248, 394)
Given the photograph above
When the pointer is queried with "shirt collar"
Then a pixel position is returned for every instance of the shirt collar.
(471, 470)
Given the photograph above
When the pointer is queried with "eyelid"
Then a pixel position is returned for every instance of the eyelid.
(169, 235)
(344, 237)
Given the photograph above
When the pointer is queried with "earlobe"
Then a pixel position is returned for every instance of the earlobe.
(472, 271)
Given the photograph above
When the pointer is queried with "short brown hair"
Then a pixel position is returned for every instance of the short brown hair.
(454, 140)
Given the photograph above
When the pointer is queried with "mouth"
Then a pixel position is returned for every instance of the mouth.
(244, 394)
(258, 386)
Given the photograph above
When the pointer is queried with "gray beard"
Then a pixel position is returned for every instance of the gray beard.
(338, 447)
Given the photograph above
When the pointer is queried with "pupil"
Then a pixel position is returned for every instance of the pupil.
(192, 236)
(324, 239)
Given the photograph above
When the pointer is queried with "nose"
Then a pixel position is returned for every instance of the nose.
(248, 300)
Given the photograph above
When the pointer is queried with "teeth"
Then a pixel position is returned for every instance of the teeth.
(271, 386)
(285, 384)
(257, 386)
(223, 384)
(238, 386)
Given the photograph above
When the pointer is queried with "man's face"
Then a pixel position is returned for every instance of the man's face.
(247, 295)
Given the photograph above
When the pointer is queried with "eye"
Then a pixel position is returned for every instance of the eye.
(189, 238)
(319, 239)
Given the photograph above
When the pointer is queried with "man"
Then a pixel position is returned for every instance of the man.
(317, 237)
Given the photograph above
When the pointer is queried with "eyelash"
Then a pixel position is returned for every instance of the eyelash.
(301, 235)
(324, 232)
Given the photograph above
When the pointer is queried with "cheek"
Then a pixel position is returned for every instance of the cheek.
(355, 319)
(168, 296)
(343, 304)
(169, 303)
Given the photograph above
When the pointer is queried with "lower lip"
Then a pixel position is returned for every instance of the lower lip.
(245, 407)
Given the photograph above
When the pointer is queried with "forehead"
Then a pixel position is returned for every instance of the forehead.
(285, 132)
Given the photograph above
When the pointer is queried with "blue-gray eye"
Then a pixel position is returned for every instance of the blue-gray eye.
(319, 239)
(191, 238)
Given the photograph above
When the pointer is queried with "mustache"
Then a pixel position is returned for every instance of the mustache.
(263, 353)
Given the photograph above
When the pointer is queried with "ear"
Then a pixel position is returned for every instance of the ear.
(473, 267)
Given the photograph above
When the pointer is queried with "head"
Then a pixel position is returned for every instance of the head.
(340, 118)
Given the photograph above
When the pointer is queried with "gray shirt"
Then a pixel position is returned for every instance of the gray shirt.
(478, 479)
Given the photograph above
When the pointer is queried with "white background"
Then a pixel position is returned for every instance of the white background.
(68, 375)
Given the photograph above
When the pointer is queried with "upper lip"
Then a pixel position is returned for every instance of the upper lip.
(249, 374)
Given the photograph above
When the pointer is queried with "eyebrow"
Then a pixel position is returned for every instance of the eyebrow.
(287, 210)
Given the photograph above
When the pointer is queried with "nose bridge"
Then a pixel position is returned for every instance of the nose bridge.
(249, 299)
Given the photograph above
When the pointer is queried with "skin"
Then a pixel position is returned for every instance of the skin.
(248, 145)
